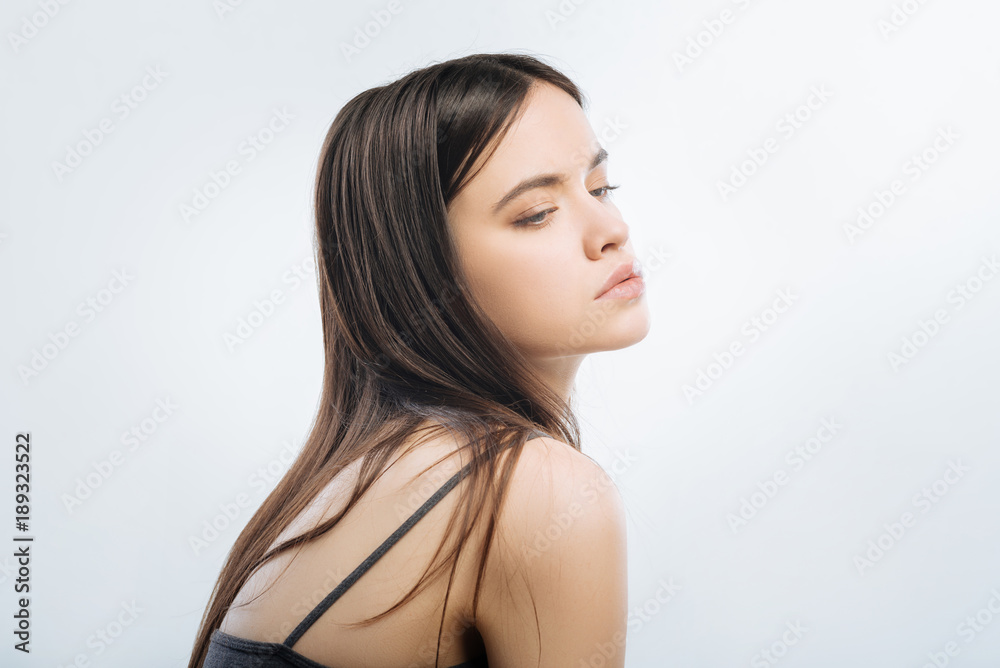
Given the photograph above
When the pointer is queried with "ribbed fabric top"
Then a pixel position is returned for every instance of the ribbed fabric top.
(229, 651)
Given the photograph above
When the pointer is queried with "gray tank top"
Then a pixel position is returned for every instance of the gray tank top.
(229, 651)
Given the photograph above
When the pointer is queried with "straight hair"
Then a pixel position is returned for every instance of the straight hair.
(404, 340)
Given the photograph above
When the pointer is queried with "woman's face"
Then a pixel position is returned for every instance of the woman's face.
(539, 282)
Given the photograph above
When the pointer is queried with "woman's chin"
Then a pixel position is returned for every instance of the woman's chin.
(620, 329)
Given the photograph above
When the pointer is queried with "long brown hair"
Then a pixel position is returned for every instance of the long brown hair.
(404, 340)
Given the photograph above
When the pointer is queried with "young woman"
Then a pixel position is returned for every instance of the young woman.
(468, 257)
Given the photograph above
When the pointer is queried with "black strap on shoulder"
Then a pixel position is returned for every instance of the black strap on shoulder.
(332, 597)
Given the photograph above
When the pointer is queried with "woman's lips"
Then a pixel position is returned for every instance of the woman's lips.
(630, 288)
(621, 273)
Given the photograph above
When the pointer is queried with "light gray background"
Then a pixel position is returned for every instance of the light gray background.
(683, 465)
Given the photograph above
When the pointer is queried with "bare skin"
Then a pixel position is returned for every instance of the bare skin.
(538, 283)
(539, 286)
(407, 636)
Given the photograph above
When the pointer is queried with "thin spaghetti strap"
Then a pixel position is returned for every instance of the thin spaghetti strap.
(332, 597)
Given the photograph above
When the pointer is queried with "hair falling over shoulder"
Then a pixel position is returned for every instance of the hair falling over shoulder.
(404, 342)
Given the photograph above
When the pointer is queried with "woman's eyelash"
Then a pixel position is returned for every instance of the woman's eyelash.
(537, 219)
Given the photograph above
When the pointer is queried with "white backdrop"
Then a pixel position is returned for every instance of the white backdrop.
(806, 440)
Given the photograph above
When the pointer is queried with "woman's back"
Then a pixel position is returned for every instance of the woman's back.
(556, 573)
(406, 636)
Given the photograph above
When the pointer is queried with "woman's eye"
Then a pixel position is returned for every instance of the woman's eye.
(533, 221)
(538, 220)
(607, 190)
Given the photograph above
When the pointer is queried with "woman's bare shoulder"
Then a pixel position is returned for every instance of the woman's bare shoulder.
(551, 477)
(561, 568)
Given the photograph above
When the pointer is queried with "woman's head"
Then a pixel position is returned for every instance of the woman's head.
(538, 235)
(423, 274)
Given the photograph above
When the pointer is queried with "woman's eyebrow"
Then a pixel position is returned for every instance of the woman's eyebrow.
(543, 181)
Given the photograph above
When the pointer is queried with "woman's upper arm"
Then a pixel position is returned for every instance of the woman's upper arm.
(556, 587)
